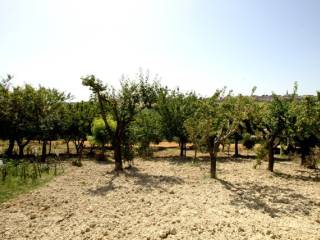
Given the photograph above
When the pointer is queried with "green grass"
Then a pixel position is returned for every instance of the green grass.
(14, 186)
(17, 177)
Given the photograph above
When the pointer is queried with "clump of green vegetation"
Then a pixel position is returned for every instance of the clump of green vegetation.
(21, 176)
(262, 154)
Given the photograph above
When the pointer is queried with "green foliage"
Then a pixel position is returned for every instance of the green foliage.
(48, 104)
(274, 122)
(306, 126)
(175, 108)
(141, 112)
(98, 130)
(146, 129)
(262, 154)
(216, 119)
(122, 106)
(194, 130)
(5, 113)
(78, 122)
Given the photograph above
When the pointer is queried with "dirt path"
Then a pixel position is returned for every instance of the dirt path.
(162, 199)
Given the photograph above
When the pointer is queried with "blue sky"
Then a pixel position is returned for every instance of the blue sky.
(197, 45)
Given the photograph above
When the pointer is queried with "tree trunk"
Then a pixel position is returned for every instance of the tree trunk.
(303, 159)
(21, 146)
(183, 149)
(80, 150)
(10, 148)
(117, 156)
(213, 165)
(77, 146)
(304, 153)
(271, 154)
(68, 147)
(50, 147)
(213, 160)
(44, 151)
(236, 148)
(92, 146)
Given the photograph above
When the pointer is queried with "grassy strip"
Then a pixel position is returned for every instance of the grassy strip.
(21, 176)
(13, 186)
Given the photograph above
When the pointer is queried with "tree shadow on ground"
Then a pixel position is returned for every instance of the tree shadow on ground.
(272, 200)
(150, 181)
(177, 160)
(162, 148)
(309, 175)
(103, 162)
(141, 181)
(104, 189)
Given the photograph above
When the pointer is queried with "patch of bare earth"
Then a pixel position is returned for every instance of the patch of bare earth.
(166, 199)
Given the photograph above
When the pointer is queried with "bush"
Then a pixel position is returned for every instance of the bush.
(144, 150)
(262, 154)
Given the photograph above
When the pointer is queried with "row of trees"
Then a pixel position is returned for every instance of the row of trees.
(29, 114)
(290, 122)
(142, 111)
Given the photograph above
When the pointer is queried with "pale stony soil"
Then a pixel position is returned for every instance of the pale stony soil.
(170, 199)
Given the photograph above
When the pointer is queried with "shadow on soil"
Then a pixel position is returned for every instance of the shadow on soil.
(103, 190)
(272, 200)
(304, 175)
(143, 181)
(176, 160)
(150, 181)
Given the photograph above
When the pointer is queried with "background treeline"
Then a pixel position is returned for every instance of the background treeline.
(141, 112)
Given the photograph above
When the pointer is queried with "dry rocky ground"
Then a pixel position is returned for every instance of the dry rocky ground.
(169, 198)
